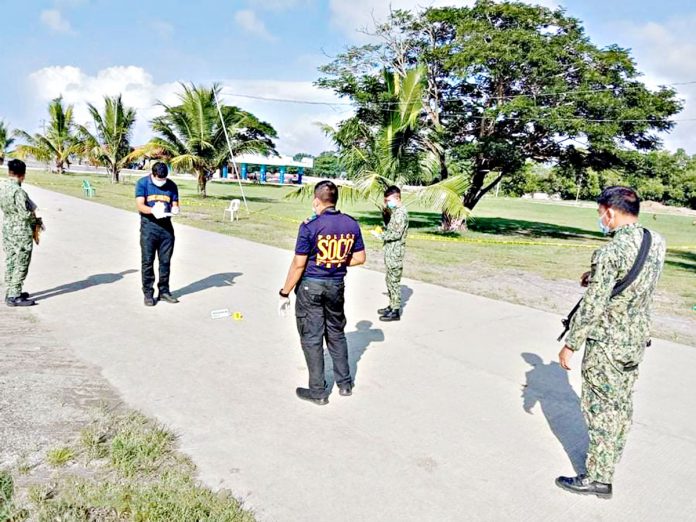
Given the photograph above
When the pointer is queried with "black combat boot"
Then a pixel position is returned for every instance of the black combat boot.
(582, 485)
(383, 311)
(19, 301)
(392, 315)
(150, 301)
(306, 395)
(23, 295)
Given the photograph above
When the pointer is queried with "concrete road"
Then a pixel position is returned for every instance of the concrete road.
(459, 411)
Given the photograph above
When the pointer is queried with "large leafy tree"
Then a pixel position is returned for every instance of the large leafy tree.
(59, 141)
(327, 165)
(109, 145)
(509, 82)
(190, 135)
(392, 147)
(6, 141)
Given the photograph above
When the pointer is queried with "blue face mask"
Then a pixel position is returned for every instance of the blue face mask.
(391, 204)
(604, 228)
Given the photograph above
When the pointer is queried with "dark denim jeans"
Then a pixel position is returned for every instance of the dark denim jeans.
(156, 241)
(320, 315)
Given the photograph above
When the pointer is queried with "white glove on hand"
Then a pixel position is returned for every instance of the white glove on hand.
(158, 210)
(283, 306)
(376, 234)
(175, 210)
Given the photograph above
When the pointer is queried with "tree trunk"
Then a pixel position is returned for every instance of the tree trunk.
(114, 175)
(450, 224)
(202, 181)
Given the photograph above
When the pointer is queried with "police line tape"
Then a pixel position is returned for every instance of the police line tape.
(435, 239)
(444, 239)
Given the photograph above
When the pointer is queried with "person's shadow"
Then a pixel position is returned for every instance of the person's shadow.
(406, 293)
(212, 281)
(93, 280)
(548, 386)
(358, 343)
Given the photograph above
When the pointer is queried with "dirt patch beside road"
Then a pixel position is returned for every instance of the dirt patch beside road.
(46, 394)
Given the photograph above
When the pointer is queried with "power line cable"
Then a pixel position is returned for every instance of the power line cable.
(386, 103)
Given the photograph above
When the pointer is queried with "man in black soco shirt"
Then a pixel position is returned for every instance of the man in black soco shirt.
(327, 244)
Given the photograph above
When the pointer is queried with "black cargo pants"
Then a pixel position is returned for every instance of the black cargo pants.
(320, 315)
(156, 240)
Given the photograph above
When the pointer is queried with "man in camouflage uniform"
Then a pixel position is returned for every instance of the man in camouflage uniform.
(394, 238)
(615, 332)
(17, 233)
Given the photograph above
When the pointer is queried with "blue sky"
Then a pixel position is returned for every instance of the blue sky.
(84, 49)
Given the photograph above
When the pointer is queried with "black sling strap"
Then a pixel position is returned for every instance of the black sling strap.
(624, 283)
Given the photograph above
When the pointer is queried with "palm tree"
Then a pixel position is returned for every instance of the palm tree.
(5, 141)
(396, 151)
(58, 142)
(109, 146)
(191, 135)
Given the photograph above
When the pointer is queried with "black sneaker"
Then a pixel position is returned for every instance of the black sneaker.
(346, 390)
(150, 301)
(582, 485)
(393, 315)
(306, 395)
(168, 298)
(18, 301)
(383, 311)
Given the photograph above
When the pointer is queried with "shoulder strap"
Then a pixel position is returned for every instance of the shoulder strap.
(624, 283)
(637, 267)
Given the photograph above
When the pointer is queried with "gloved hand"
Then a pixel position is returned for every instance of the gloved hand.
(158, 210)
(283, 306)
(376, 234)
(175, 210)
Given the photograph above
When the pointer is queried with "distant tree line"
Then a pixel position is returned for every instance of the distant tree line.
(662, 176)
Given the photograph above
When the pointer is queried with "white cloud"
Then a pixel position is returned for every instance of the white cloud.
(295, 123)
(54, 20)
(351, 16)
(662, 51)
(248, 20)
(277, 5)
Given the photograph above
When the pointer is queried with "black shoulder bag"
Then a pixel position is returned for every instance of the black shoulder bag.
(624, 283)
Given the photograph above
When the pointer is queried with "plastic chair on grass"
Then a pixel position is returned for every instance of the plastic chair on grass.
(233, 209)
(88, 189)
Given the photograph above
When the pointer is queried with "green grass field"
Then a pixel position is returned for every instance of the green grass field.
(515, 250)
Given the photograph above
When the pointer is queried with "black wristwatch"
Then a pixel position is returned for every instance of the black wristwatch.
(282, 294)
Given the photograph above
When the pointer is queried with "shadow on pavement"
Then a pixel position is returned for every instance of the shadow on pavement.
(359, 341)
(406, 293)
(212, 281)
(548, 385)
(93, 280)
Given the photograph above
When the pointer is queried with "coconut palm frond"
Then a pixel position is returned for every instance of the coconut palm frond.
(445, 196)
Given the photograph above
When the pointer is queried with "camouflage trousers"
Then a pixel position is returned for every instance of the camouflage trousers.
(607, 404)
(18, 251)
(394, 262)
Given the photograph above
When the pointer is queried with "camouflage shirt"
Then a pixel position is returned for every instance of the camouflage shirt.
(397, 228)
(17, 209)
(621, 324)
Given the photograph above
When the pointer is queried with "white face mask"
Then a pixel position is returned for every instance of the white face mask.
(606, 229)
(159, 182)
